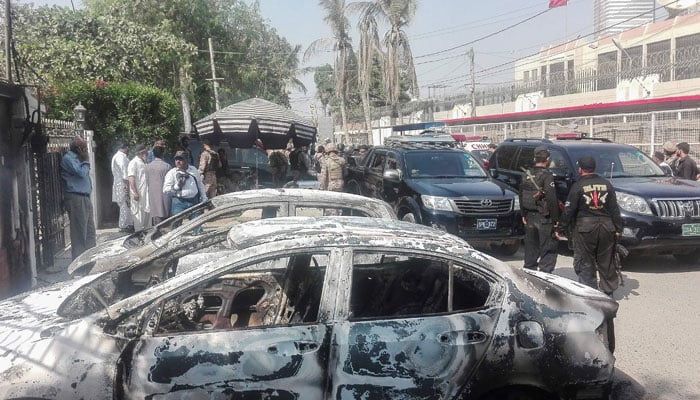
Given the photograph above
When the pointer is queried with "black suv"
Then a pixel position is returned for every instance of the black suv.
(430, 181)
(661, 214)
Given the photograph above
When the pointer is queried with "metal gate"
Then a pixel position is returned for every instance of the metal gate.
(49, 224)
(50, 219)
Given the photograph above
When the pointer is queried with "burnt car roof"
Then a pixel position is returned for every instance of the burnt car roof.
(324, 230)
(301, 194)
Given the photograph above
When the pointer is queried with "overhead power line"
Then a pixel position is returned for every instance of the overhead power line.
(485, 36)
(500, 67)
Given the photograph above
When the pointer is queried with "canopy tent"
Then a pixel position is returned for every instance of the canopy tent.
(242, 123)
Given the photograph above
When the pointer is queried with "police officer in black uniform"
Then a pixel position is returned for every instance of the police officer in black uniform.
(540, 211)
(593, 217)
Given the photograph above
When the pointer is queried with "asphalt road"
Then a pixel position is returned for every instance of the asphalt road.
(657, 328)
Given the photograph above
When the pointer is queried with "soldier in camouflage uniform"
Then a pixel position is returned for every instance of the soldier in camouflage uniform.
(333, 170)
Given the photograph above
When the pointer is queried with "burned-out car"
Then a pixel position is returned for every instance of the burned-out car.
(316, 308)
(206, 224)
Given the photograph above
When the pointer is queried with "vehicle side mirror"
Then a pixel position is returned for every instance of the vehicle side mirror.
(493, 172)
(393, 175)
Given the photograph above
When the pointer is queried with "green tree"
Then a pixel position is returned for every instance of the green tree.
(325, 86)
(341, 44)
(129, 112)
(251, 59)
(398, 58)
(55, 45)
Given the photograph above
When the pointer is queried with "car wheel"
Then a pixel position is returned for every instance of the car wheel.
(522, 393)
(507, 249)
(409, 217)
(688, 258)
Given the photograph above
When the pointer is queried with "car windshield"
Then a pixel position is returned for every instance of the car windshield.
(618, 162)
(176, 220)
(442, 164)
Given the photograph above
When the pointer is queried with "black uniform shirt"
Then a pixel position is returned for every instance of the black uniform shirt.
(591, 196)
(545, 181)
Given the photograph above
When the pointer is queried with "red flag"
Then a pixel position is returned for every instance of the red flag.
(556, 3)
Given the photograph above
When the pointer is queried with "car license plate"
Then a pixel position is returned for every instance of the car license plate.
(691, 229)
(487, 224)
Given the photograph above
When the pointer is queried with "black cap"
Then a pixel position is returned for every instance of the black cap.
(541, 153)
(587, 163)
(140, 148)
(179, 155)
(123, 145)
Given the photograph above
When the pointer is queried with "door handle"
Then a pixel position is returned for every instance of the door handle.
(461, 337)
(306, 347)
(299, 347)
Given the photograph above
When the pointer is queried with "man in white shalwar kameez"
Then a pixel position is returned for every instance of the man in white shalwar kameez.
(138, 184)
(120, 187)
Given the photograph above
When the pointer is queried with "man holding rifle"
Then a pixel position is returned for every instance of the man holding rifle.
(540, 212)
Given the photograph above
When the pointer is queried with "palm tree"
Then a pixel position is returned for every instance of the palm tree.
(399, 58)
(341, 45)
(368, 51)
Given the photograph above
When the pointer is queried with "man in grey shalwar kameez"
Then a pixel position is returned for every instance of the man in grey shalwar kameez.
(155, 176)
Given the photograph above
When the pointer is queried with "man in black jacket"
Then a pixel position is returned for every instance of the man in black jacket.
(540, 211)
(687, 168)
(593, 211)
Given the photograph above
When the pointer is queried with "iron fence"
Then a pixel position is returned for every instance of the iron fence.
(646, 131)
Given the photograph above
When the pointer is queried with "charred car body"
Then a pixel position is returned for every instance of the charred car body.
(661, 214)
(179, 235)
(429, 181)
(315, 308)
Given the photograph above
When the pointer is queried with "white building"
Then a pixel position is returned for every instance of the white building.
(615, 16)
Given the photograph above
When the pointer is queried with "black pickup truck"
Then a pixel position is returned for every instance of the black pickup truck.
(428, 180)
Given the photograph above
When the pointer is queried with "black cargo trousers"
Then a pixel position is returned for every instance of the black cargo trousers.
(594, 246)
(540, 244)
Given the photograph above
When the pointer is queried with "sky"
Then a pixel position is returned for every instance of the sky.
(439, 25)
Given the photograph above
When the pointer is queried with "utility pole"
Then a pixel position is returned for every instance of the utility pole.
(8, 41)
(214, 79)
(473, 86)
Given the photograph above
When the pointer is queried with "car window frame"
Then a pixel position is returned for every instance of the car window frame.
(188, 225)
(496, 282)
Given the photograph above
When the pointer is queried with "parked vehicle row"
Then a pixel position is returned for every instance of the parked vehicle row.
(661, 214)
(430, 181)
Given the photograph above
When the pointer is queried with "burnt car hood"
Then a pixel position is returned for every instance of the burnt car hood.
(46, 356)
(461, 187)
(664, 187)
(109, 255)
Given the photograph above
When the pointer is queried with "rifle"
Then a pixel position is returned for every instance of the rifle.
(619, 253)
(531, 177)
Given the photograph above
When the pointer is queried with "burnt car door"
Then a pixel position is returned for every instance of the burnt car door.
(251, 332)
(415, 326)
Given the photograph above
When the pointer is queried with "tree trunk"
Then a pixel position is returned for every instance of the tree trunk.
(184, 100)
(343, 118)
(368, 113)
